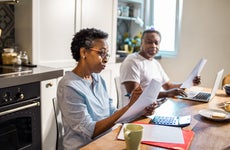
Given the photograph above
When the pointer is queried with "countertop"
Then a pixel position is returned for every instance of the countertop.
(34, 74)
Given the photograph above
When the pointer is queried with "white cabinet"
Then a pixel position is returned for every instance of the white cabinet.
(53, 30)
(48, 92)
(56, 21)
(111, 71)
(101, 14)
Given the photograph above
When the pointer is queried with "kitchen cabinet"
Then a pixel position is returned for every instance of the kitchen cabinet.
(54, 32)
(49, 133)
(56, 21)
(101, 14)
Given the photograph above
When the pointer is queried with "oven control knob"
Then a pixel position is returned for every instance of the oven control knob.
(6, 97)
(19, 96)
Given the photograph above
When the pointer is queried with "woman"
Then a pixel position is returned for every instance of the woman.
(87, 110)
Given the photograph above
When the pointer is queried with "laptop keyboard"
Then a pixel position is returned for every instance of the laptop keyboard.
(202, 95)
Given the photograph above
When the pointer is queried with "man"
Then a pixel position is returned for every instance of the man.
(140, 68)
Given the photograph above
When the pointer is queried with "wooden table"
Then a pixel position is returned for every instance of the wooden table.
(209, 134)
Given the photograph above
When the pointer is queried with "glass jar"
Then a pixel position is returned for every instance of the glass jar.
(9, 57)
(125, 11)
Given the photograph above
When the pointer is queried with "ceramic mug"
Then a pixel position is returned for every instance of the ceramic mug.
(133, 135)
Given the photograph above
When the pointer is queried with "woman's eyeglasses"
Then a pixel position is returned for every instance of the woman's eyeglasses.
(101, 52)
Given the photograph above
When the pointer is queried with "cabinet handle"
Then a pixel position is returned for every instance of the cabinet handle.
(49, 85)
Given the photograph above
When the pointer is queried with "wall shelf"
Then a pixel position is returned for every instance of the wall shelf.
(127, 18)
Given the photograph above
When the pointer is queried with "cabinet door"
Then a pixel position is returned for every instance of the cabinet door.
(101, 14)
(48, 92)
(112, 70)
(56, 29)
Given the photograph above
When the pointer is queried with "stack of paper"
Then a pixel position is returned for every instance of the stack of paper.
(164, 136)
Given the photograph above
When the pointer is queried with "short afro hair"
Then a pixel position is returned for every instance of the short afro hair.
(84, 38)
(152, 30)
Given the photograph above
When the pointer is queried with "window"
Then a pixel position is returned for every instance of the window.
(165, 16)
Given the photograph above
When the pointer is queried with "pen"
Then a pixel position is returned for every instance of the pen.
(128, 95)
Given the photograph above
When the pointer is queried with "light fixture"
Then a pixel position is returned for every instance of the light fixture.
(9, 1)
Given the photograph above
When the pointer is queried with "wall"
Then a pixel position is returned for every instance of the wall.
(204, 33)
(23, 27)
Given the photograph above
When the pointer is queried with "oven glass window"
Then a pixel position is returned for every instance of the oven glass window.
(16, 133)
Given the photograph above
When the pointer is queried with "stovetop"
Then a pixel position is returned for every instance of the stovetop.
(11, 70)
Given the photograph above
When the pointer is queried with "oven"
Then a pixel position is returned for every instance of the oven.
(20, 117)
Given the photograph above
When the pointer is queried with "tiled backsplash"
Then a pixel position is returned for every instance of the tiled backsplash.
(7, 38)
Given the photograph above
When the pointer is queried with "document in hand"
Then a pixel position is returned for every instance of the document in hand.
(148, 96)
(195, 72)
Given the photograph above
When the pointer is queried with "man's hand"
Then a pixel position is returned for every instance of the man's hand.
(197, 80)
(176, 92)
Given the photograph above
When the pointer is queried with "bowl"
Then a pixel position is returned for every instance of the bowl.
(227, 106)
(227, 89)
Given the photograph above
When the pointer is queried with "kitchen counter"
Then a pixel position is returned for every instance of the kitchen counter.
(26, 75)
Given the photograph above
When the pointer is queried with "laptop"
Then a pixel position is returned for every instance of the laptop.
(205, 96)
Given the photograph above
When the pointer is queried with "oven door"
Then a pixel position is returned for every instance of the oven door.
(20, 125)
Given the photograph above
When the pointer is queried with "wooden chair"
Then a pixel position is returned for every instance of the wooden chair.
(226, 80)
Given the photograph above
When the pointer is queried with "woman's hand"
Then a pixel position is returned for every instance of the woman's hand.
(149, 110)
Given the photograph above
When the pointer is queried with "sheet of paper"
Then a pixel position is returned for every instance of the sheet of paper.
(195, 72)
(158, 133)
(148, 96)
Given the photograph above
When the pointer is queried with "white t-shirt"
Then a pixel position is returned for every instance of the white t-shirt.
(141, 70)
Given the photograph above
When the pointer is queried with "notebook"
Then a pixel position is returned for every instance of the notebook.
(205, 96)
(158, 137)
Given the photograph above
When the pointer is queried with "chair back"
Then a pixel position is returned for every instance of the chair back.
(122, 100)
(226, 80)
(59, 125)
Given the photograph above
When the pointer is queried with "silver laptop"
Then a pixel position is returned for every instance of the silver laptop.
(205, 96)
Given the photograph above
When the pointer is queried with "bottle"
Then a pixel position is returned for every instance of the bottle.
(24, 58)
(19, 58)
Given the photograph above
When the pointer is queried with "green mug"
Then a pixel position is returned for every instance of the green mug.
(133, 135)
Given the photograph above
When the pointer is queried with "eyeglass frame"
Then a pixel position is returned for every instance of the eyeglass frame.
(101, 53)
